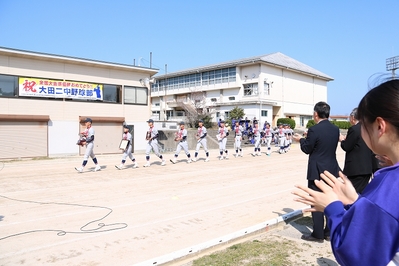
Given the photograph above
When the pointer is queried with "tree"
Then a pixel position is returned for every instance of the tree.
(197, 109)
(236, 113)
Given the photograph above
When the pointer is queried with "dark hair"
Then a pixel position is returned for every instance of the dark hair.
(322, 109)
(382, 101)
(354, 114)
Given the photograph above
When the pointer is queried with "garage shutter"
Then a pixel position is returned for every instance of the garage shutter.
(23, 139)
(107, 137)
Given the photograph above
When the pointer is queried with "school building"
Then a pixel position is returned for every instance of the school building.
(44, 99)
(267, 87)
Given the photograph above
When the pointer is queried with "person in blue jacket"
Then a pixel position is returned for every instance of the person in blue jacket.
(365, 228)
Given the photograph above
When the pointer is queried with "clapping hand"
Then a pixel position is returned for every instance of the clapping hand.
(333, 189)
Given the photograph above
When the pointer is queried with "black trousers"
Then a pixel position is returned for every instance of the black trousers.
(360, 182)
(319, 230)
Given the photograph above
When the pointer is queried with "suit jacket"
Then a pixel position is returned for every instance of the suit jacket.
(321, 144)
(358, 157)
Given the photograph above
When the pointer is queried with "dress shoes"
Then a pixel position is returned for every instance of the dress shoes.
(312, 238)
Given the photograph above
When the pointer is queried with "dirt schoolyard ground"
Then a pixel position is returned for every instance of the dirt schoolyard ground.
(52, 215)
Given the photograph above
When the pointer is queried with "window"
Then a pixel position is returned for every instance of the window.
(157, 104)
(217, 76)
(136, 95)
(264, 113)
(232, 74)
(8, 86)
(266, 88)
(213, 100)
(232, 98)
(250, 89)
(111, 93)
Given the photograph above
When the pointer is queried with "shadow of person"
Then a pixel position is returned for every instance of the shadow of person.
(303, 225)
(326, 262)
(285, 210)
(1, 218)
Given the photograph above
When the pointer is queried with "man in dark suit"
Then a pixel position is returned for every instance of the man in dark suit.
(320, 144)
(359, 159)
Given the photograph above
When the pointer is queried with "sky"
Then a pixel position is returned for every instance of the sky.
(348, 40)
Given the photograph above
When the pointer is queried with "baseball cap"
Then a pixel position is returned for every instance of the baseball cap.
(200, 121)
(221, 121)
(150, 121)
(125, 126)
(88, 120)
(181, 123)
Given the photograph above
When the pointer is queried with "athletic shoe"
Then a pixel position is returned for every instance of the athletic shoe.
(135, 165)
(207, 159)
(147, 164)
(163, 163)
(172, 160)
(259, 154)
(120, 167)
(221, 158)
(236, 155)
(253, 154)
(189, 161)
(79, 169)
(241, 154)
(98, 168)
(194, 159)
(226, 156)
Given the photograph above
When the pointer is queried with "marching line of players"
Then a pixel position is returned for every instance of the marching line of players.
(282, 135)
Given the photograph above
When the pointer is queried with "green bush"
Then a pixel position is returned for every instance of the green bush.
(342, 124)
(288, 121)
(310, 123)
(339, 124)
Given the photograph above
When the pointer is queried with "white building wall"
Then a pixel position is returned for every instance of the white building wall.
(230, 93)
(212, 94)
(62, 138)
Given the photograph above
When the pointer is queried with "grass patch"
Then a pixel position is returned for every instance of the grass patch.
(251, 253)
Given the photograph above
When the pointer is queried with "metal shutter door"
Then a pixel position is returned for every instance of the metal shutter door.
(23, 139)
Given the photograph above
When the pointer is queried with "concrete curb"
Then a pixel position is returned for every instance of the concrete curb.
(227, 239)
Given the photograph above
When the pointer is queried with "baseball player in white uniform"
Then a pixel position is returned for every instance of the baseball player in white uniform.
(257, 138)
(223, 132)
(268, 133)
(128, 151)
(201, 141)
(289, 132)
(281, 138)
(88, 134)
(152, 144)
(181, 138)
(238, 130)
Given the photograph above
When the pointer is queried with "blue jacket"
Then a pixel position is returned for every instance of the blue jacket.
(367, 232)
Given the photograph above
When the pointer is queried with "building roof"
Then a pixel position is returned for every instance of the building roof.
(30, 54)
(278, 59)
